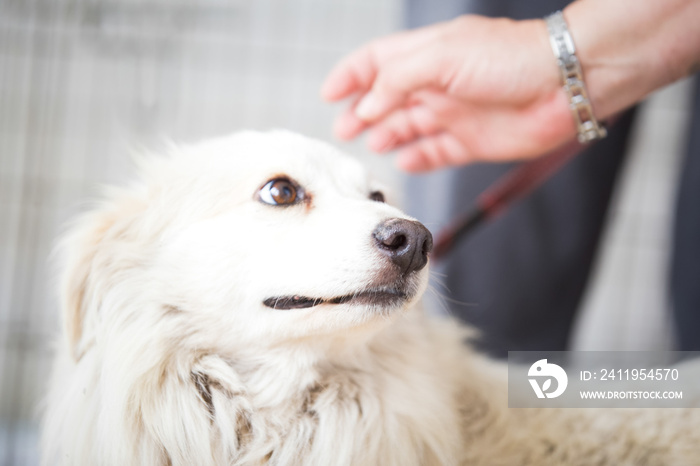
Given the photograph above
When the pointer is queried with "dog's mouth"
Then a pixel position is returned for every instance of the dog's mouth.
(379, 297)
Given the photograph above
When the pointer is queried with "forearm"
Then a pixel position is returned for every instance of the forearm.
(630, 48)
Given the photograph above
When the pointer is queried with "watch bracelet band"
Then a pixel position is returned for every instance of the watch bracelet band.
(589, 129)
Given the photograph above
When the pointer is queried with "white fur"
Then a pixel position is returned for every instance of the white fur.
(170, 357)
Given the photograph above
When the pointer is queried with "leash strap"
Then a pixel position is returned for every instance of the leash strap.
(515, 184)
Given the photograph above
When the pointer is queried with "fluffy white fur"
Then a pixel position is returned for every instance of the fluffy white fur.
(170, 357)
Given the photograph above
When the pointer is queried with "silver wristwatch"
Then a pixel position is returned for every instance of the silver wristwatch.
(563, 46)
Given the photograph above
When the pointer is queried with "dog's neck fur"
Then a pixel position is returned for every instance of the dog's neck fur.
(244, 409)
(405, 396)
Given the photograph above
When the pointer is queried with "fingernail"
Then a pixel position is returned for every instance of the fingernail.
(347, 126)
(368, 108)
(382, 141)
(326, 93)
(335, 88)
(411, 161)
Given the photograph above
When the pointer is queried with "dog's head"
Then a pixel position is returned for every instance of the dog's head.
(250, 238)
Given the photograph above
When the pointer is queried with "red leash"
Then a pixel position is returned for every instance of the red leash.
(512, 186)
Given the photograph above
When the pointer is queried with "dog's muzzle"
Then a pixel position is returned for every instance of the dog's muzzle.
(406, 243)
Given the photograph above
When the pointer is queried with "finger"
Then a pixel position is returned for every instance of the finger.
(395, 81)
(402, 127)
(353, 74)
(427, 113)
(433, 152)
(357, 71)
(347, 126)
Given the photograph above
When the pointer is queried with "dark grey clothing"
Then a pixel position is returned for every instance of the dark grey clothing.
(520, 278)
(685, 259)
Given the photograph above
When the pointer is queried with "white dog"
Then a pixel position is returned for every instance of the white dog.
(252, 300)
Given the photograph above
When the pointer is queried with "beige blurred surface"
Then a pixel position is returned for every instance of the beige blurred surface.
(626, 307)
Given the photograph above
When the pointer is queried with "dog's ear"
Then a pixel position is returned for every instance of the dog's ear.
(89, 256)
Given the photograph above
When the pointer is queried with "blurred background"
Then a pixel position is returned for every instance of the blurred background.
(84, 82)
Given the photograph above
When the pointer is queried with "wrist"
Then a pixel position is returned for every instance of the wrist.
(607, 67)
(629, 48)
(547, 63)
(564, 49)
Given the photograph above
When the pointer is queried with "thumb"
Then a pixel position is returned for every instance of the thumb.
(400, 77)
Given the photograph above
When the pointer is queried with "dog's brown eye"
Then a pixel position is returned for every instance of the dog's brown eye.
(377, 196)
(280, 191)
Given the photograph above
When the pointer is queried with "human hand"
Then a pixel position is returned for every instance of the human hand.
(471, 89)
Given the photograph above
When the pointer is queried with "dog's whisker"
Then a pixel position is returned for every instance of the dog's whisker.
(440, 300)
(435, 273)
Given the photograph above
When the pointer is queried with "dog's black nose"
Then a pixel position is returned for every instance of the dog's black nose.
(406, 242)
